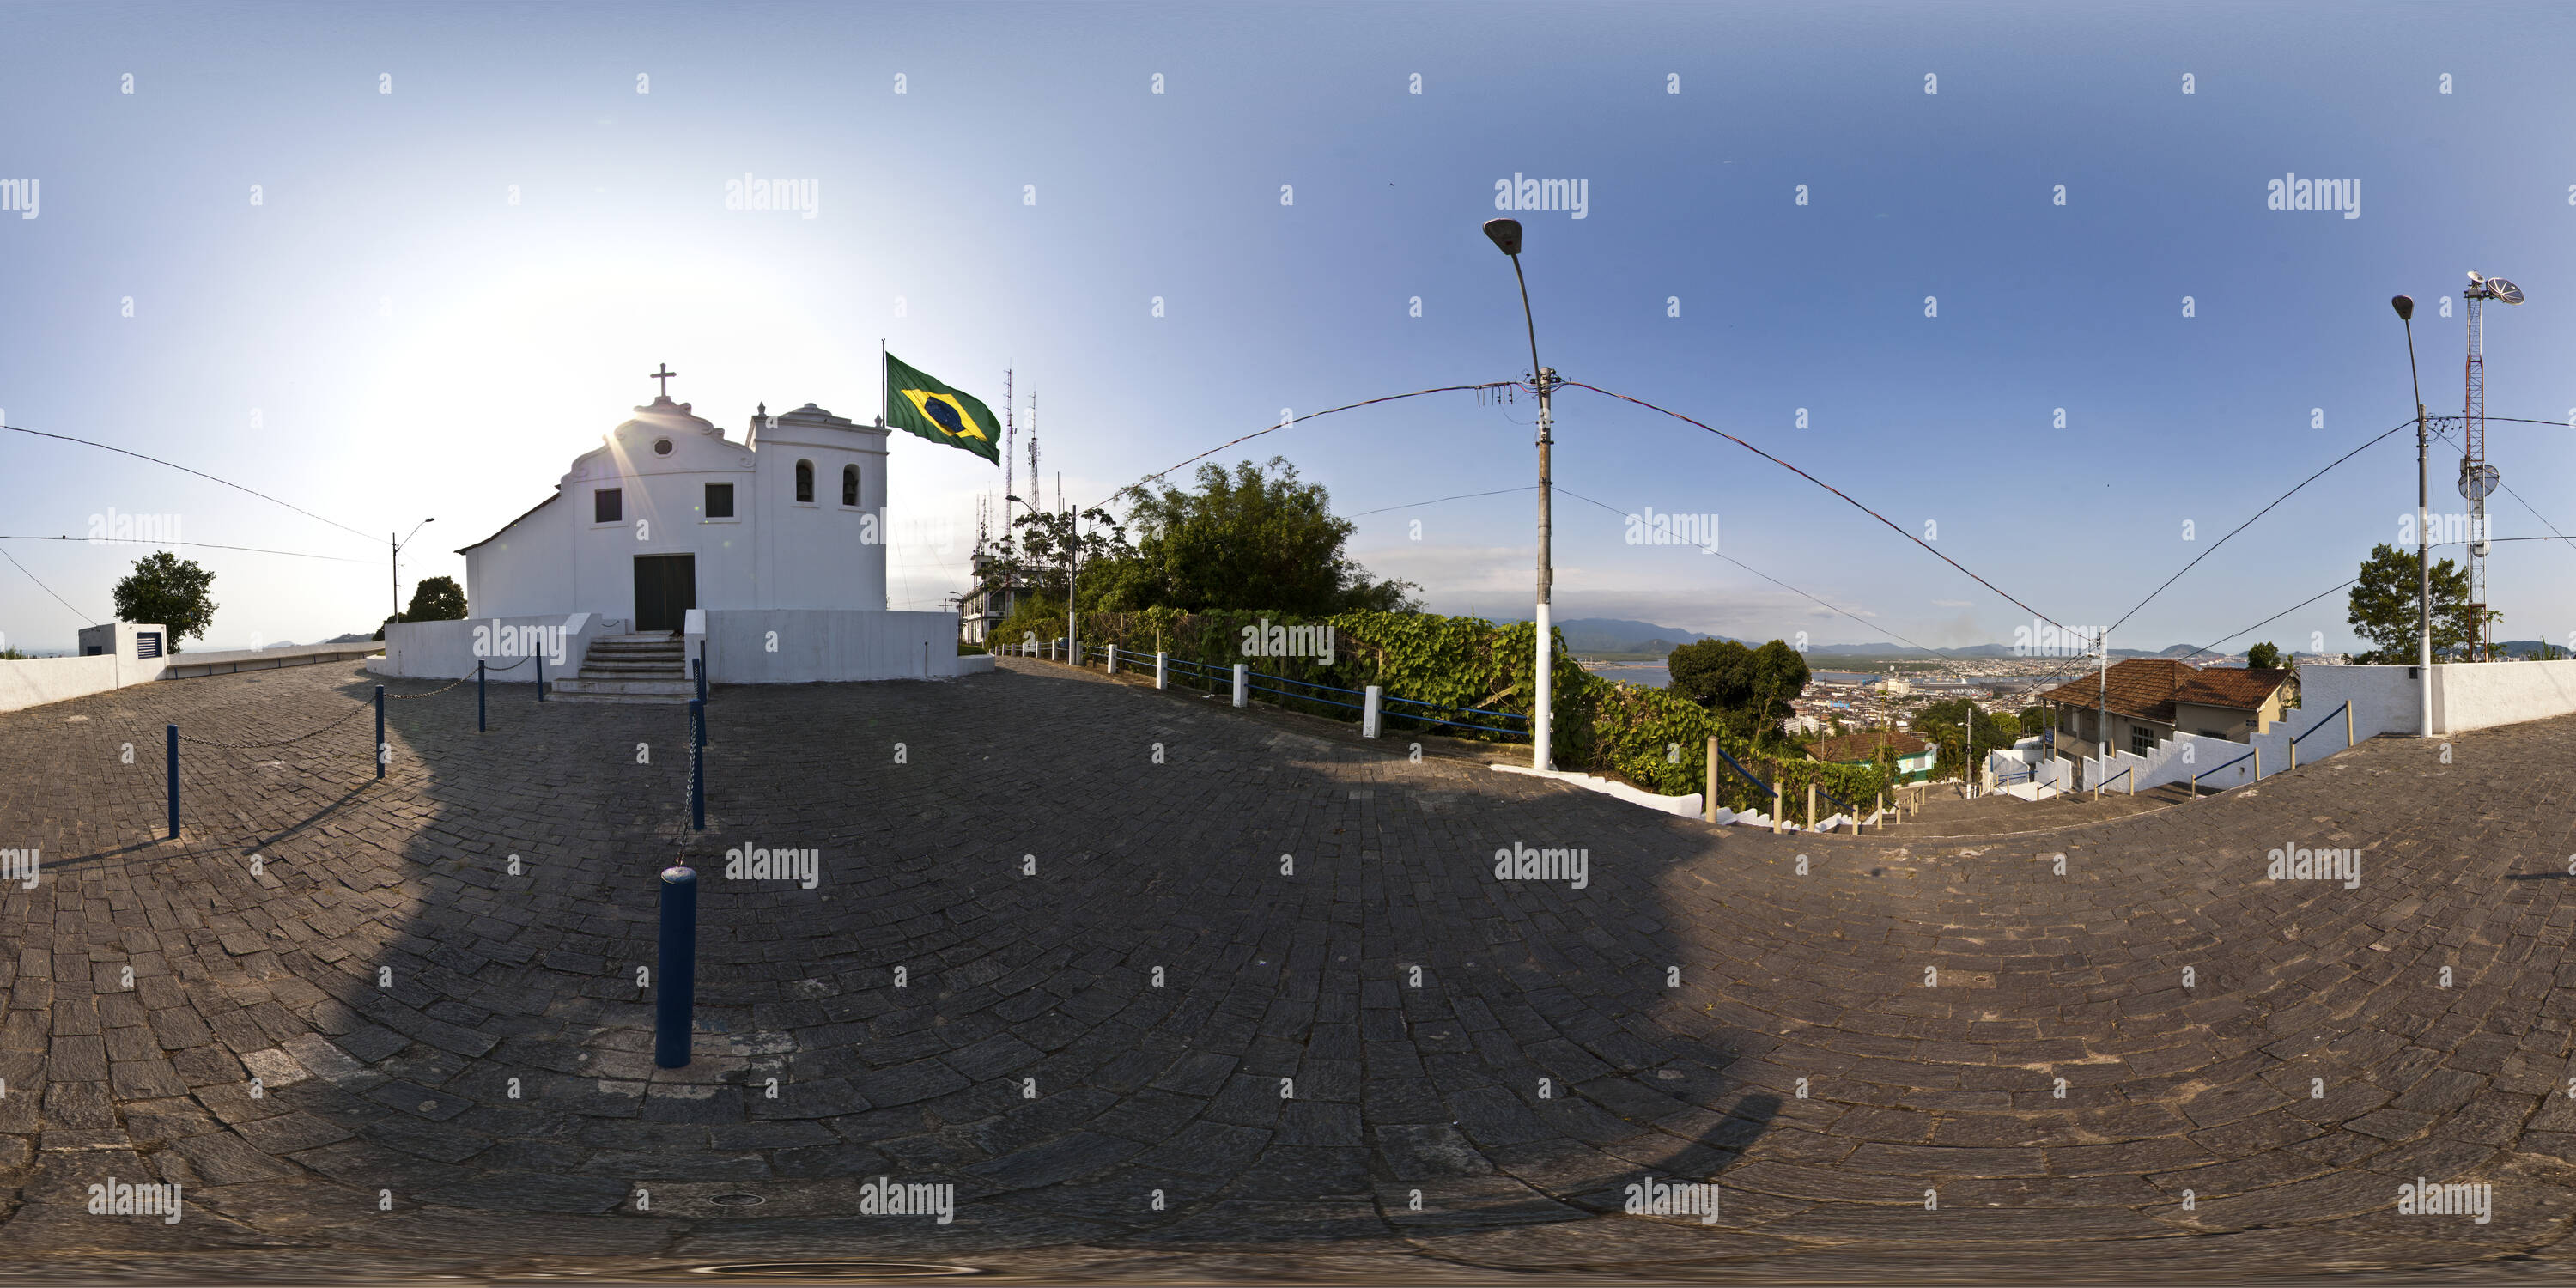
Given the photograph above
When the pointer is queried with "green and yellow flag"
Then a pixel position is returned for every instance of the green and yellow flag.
(924, 406)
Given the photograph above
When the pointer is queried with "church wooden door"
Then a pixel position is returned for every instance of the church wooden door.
(666, 588)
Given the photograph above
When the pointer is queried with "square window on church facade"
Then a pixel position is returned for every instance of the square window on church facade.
(719, 500)
(607, 505)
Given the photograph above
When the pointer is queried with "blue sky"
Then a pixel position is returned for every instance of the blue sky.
(386, 337)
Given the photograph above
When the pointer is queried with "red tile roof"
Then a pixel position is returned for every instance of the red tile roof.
(2148, 687)
(2236, 688)
(1861, 748)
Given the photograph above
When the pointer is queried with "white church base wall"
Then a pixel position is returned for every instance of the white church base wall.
(449, 650)
(803, 645)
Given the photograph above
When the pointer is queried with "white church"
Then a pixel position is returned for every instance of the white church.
(670, 543)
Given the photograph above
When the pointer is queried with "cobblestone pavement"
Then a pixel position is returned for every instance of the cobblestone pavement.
(1262, 969)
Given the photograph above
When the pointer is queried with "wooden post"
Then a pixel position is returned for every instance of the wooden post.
(1811, 804)
(2347, 726)
(1775, 800)
(2294, 753)
(2258, 765)
(1708, 803)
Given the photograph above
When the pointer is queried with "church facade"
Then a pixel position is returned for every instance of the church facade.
(668, 514)
(670, 545)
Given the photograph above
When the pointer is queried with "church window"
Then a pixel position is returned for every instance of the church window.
(719, 500)
(805, 482)
(606, 505)
(849, 485)
(661, 447)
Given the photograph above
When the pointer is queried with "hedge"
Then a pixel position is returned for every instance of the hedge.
(1652, 738)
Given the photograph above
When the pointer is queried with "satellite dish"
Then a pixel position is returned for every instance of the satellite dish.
(2504, 290)
(2479, 547)
(2478, 482)
(2474, 279)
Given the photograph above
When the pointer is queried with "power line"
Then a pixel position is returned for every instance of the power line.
(185, 470)
(1873, 626)
(1892, 524)
(1365, 402)
(13, 559)
(205, 545)
(1463, 496)
(2276, 501)
(2265, 622)
(2535, 512)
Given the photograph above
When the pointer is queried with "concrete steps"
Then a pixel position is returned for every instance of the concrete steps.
(631, 669)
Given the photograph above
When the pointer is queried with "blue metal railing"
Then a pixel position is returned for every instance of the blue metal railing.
(2322, 722)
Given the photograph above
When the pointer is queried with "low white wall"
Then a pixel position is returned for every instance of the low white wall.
(802, 645)
(2383, 698)
(40, 680)
(2482, 695)
(448, 650)
(190, 666)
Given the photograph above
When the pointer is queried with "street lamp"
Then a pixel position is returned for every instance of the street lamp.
(2405, 306)
(397, 570)
(1506, 235)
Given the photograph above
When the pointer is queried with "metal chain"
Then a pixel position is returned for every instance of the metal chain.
(260, 746)
(431, 694)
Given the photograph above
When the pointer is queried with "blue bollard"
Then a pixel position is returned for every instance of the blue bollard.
(697, 766)
(679, 968)
(174, 782)
(480, 726)
(379, 756)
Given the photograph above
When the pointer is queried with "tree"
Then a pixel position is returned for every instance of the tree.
(436, 599)
(170, 590)
(1751, 688)
(2263, 657)
(1258, 538)
(2383, 606)
(1938, 723)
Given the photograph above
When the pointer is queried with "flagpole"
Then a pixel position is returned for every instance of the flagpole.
(885, 395)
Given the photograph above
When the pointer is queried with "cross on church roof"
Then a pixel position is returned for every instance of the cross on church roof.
(664, 375)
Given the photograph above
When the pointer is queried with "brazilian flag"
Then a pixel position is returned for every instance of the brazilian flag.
(924, 406)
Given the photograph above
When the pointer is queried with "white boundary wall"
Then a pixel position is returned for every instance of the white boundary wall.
(832, 644)
(2466, 696)
(446, 650)
(37, 681)
(33, 682)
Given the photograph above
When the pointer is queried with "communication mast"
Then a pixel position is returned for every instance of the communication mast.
(2478, 479)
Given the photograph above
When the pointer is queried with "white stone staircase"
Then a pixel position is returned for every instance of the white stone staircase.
(646, 669)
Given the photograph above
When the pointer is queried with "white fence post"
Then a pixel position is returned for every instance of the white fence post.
(1371, 706)
(1162, 663)
(1242, 686)
(1112, 667)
